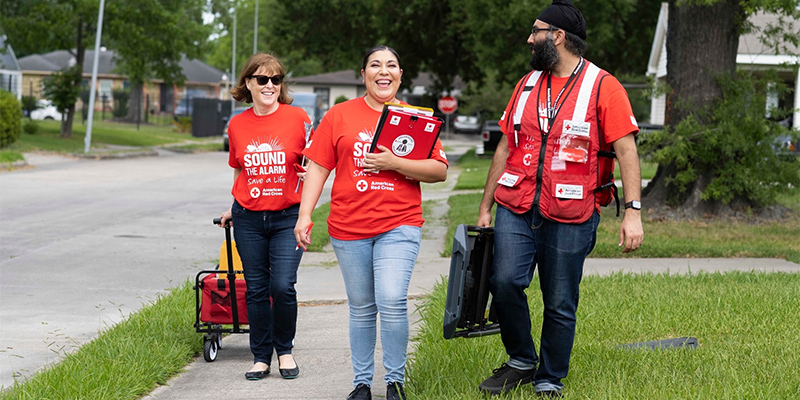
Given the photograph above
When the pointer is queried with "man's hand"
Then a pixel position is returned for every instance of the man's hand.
(631, 234)
(485, 219)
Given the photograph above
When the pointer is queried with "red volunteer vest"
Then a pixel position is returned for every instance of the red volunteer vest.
(558, 170)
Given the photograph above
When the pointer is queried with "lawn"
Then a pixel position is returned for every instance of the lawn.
(745, 324)
(48, 138)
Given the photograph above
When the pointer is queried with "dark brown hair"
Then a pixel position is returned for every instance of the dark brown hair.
(241, 93)
(379, 48)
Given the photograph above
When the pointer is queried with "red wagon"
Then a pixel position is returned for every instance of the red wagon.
(220, 302)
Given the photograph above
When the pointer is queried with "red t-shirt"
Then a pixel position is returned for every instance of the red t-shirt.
(363, 204)
(265, 148)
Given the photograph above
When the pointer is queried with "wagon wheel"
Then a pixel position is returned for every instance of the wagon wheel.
(210, 348)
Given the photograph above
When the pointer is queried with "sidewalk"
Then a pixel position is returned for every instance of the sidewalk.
(322, 344)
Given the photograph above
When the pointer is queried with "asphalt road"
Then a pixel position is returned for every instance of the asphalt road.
(77, 231)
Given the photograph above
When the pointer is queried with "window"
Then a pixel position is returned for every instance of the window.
(104, 87)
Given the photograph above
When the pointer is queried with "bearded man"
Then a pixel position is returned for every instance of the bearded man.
(563, 125)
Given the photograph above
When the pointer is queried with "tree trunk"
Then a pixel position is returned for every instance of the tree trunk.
(702, 42)
(135, 103)
(80, 53)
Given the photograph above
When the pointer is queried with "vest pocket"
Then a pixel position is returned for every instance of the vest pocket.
(567, 199)
(517, 196)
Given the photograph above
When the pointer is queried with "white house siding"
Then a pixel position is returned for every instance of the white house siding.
(658, 109)
(350, 92)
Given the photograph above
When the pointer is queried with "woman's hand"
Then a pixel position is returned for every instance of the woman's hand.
(385, 160)
(225, 217)
(302, 232)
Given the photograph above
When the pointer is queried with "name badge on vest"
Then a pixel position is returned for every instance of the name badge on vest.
(569, 191)
(508, 179)
(577, 128)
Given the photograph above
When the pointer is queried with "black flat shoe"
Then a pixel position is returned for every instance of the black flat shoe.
(290, 373)
(256, 375)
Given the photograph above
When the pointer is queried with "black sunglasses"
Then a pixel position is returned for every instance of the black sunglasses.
(536, 30)
(263, 79)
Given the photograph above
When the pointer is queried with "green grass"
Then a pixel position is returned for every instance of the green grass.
(745, 324)
(7, 156)
(473, 171)
(48, 138)
(669, 238)
(319, 236)
(126, 361)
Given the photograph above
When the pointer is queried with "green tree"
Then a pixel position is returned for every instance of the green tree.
(335, 33)
(35, 26)
(219, 54)
(149, 36)
(63, 88)
(702, 44)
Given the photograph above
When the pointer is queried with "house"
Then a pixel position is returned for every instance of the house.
(202, 80)
(10, 71)
(348, 83)
(752, 55)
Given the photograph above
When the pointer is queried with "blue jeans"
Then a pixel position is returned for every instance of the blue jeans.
(376, 274)
(266, 244)
(523, 241)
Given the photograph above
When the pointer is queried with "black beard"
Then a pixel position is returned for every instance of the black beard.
(545, 55)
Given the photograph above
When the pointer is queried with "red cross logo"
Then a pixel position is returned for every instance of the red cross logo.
(362, 185)
(567, 127)
(255, 192)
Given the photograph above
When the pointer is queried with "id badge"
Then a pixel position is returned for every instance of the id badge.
(574, 143)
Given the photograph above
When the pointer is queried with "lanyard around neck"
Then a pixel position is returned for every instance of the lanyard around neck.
(554, 107)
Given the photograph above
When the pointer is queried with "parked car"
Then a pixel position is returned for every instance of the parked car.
(467, 124)
(225, 142)
(184, 108)
(46, 110)
(491, 134)
(310, 103)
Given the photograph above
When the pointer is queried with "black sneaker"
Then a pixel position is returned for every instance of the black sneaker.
(394, 391)
(505, 379)
(361, 392)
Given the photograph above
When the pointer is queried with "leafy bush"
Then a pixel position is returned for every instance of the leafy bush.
(183, 124)
(121, 99)
(10, 118)
(340, 99)
(732, 145)
(30, 127)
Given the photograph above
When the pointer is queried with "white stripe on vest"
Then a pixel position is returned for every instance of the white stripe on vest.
(579, 114)
(581, 106)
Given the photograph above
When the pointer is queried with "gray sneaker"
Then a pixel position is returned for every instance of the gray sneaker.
(505, 379)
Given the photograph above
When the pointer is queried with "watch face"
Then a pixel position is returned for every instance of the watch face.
(634, 205)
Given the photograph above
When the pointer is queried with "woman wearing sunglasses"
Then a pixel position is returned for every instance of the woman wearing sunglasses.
(265, 143)
(375, 219)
